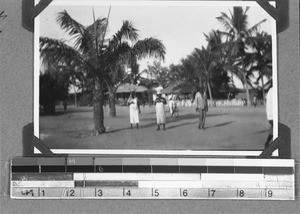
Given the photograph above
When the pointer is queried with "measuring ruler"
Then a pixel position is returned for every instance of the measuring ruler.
(152, 178)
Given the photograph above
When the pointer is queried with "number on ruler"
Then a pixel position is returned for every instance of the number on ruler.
(156, 193)
(71, 161)
(99, 192)
(128, 193)
(71, 193)
(100, 169)
(241, 193)
(43, 193)
(185, 192)
(269, 193)
(211, 192)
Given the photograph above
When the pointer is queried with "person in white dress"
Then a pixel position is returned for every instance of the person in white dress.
(160, 103)
(134, 110)
(172, 103)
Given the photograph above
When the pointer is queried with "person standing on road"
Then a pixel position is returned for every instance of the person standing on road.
(134, 110)
(254, 101)
(173, 103)
(160, 103)
(201, 107)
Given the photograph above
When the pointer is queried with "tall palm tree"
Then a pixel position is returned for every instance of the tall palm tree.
(220, 53)
(237, 35)
(262, 57)
(149, 47)
(91, 51)
(205, 59)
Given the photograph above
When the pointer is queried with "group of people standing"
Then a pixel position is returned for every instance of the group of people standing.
(200, 100)
(160, 102)
(134, 110)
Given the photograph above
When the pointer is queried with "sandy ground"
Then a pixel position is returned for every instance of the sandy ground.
(227, 128)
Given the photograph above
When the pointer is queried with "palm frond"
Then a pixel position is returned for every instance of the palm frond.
(83, 38)
(97, 29)
(150, 47)
(68, 24)
(57, 52)
(225, 20)
(254, 28)
(127, 31)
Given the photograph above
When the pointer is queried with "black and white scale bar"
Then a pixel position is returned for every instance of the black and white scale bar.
(153, 193)
(154, 169)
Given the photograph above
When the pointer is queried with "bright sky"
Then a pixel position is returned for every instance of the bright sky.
(179, 25)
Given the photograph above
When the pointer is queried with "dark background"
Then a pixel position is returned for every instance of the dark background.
(16, 101)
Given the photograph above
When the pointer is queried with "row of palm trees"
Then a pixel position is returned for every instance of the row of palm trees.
(238, 50)
(102, 61)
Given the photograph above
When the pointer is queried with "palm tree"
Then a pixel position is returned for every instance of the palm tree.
(205, 60)
(92, 52)
(262, 57)
(149, 47)
(237, 35)
(220, 53)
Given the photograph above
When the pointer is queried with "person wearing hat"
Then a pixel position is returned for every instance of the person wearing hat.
(160, 103)
(134, 110)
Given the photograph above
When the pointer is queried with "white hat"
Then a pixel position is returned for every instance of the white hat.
(159, 89)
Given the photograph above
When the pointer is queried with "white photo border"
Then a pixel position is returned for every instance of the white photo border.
(153, 152)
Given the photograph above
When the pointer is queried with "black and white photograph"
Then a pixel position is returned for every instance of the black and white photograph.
(155, 77)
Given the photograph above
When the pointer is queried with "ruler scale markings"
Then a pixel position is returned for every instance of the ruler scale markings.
(262, 179)
(270, 194)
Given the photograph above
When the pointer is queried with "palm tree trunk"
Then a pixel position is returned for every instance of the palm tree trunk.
(210, 94)
(112, 102)
(247, 90)
(98, 111)
(75, 96)
(263, 89)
